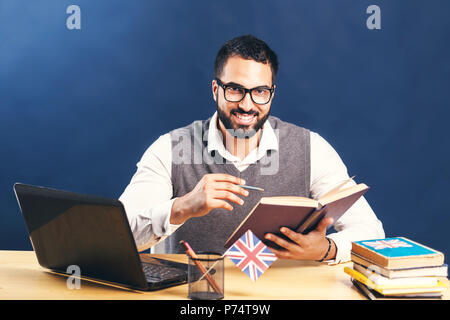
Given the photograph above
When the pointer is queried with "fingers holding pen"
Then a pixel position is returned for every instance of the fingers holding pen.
(226, 195)
(228, 192)
(227, 186)
(213, 191)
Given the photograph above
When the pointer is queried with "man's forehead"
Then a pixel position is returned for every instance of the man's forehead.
(248, 73)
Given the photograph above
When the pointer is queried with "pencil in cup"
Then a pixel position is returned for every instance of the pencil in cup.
(210, 268)
(201, 267)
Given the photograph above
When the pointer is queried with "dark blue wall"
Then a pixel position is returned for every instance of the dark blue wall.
(78, 108)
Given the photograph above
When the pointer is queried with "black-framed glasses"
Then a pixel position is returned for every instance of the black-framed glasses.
(236, 93)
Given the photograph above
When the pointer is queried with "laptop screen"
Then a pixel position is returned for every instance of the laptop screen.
(90, 232)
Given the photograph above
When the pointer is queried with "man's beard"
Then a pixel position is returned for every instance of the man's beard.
(240, 131)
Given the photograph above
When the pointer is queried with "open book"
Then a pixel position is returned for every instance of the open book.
(297, 213)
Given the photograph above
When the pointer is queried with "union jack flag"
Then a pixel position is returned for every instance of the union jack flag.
(383, 244)
(251, 255)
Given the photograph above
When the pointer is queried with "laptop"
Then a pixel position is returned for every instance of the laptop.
(93, 233)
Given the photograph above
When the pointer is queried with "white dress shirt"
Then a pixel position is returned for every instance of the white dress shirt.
(148, 197)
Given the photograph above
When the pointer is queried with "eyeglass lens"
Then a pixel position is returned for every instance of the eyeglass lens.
(258, 95)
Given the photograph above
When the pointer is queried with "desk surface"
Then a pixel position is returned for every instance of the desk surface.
(21, 277)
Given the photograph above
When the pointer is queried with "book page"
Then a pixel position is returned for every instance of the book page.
(243, 221)
(291, 201)
(337, 188)
(342, 193)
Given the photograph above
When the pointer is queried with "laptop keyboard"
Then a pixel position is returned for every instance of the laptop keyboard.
(156, 272)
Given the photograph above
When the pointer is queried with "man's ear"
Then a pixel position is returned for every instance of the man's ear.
(214, 87)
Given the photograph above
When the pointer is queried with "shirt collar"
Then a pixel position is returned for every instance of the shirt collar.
(269, 140)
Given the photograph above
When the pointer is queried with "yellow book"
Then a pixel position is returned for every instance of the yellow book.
(394, 290)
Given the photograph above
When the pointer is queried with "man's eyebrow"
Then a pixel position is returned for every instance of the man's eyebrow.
(241, 86)
(234, 84)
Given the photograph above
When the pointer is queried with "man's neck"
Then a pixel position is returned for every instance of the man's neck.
(239, 147)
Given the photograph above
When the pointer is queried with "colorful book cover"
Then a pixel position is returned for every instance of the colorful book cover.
(396, 247)
(397, 252)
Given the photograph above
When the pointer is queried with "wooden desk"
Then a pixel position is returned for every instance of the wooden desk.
(21, 277)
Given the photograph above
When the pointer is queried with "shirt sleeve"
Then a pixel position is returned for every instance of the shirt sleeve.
(148, 197)
(359, 222)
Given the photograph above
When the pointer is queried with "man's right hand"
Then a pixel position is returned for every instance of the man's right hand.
(211, 192)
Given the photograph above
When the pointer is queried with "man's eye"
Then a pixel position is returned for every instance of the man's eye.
(261, 91)
(234, 89)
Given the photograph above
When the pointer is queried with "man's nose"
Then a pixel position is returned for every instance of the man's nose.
(247, 103)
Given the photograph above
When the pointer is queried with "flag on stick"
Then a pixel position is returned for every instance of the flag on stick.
(251, 255)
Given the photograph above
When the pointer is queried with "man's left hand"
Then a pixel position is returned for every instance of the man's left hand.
(312, 246)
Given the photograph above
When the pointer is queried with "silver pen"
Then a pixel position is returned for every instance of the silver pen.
(250, 187)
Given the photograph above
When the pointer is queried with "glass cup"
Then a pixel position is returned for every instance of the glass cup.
(206, 276)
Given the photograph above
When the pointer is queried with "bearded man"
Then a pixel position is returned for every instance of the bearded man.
(190, 183)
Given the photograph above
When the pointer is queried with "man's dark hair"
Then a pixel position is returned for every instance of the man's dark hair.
(247, 47)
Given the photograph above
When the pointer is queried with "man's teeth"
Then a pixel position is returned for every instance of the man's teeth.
(246, 117)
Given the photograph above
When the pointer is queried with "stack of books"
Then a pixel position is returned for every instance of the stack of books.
(397, 267)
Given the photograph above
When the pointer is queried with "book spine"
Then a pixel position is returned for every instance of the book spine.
(380, 280)
(359, 277)
(371, 267)
(440, 287)
(416, 262)
(363, 279)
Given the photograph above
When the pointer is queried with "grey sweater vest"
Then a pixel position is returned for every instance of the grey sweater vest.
(285, 172)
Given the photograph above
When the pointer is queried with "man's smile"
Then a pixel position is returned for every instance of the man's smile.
(244, 119)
